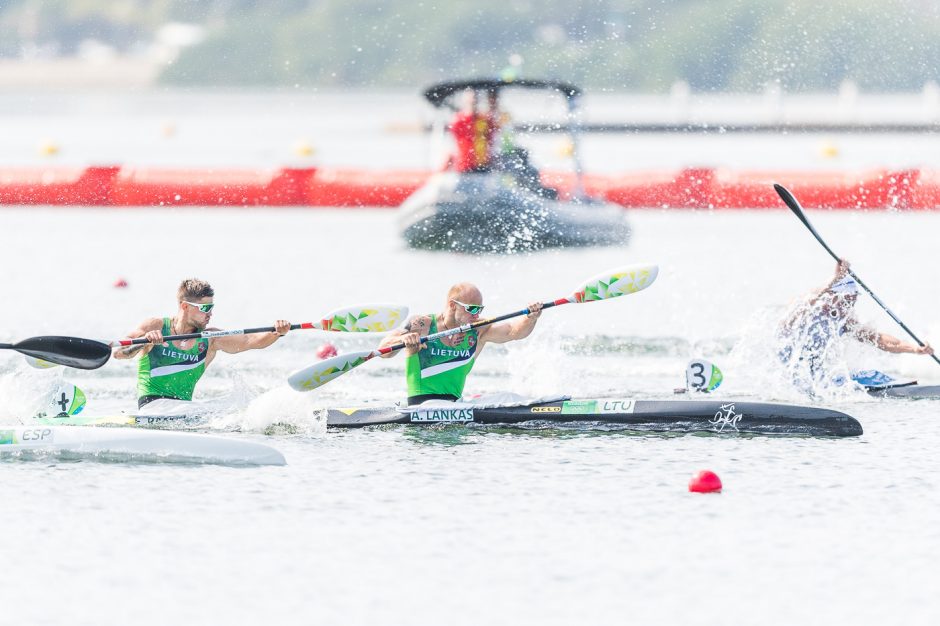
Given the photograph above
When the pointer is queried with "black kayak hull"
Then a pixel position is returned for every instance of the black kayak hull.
(698, 416)
(911, 392)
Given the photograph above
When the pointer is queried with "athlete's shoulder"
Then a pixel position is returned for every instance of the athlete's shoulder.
(152, 323)
(418, 323)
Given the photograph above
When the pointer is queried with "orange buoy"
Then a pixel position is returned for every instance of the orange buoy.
(304, 148)
(705, 481)
(48, 148)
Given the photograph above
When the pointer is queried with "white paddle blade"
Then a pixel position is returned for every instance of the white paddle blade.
(702, 375)
(374, 318)
(618, 282)
(323, 372)
(39, 364)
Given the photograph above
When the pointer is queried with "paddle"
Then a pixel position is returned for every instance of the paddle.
(83, 354)
(791, 202)
(610, 284)
(89, 354)
(376, 318)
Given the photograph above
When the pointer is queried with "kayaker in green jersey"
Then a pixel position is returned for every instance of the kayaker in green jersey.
(171, 370)
(438, 369)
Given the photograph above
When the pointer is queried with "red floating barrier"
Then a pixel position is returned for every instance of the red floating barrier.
(358, 188)
(690, 188)
(211, 187)
(57, 186)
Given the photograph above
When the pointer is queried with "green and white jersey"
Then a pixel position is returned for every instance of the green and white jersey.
(440, 369)
(168, 371)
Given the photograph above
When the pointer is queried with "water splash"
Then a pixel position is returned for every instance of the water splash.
(26, 391)
(278, 411)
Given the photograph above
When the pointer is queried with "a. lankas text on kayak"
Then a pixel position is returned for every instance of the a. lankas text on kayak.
(442, 415)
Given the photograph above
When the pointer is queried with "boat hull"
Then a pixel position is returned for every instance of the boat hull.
(134, 444)
(698, 416)
(491, 213)
(911, 392)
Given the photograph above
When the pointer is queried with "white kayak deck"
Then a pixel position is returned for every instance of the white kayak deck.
(135, 444)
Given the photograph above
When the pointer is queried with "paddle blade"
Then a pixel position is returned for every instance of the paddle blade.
(323, 372)
(376, 318)
(790, 200)
(83, 354)
(39, 364)
(617, 282)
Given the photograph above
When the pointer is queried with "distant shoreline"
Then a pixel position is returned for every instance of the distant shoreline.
(74, 73)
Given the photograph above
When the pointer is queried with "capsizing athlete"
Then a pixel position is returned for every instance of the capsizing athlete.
(814, 326)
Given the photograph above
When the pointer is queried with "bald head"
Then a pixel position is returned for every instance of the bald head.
(466, 293)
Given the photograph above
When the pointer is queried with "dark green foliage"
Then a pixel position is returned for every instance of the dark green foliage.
(643, 45)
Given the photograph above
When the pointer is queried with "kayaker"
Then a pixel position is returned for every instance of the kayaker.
(438, 369)
(810, 330)
(171, 370)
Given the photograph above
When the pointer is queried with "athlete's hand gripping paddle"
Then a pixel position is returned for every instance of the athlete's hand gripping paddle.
(89, 354)
(610, 284)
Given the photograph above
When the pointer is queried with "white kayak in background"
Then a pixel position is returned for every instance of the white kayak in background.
(134, 444)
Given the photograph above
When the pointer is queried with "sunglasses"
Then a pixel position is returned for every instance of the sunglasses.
(472, 309)
(203, 308)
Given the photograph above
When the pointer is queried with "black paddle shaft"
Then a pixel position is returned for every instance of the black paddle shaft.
(794, 205)
(212, 333)
(476, 324)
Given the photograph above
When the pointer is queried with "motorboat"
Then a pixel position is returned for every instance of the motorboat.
(500, 204)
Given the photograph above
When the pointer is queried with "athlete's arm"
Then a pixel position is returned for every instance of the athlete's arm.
(512, 331)
(233, 344)
(889, 343)
(410, 334)
(152, 329)
(842, 269)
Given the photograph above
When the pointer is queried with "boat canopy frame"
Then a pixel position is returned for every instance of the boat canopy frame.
(441, 94)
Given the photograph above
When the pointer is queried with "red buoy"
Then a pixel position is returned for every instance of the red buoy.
(120, 283)
(326, 351)
(705, 481)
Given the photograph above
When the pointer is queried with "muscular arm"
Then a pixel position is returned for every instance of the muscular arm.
(126, 352)
(233, 344)
(842, 269)
(415, 328)
(512, 331)
(890, 343)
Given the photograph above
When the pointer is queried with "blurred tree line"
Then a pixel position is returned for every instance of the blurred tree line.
(637, 45)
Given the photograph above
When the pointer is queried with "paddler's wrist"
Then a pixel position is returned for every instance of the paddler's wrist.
(132, 350)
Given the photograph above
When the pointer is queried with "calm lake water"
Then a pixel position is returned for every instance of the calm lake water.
(464, 525)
